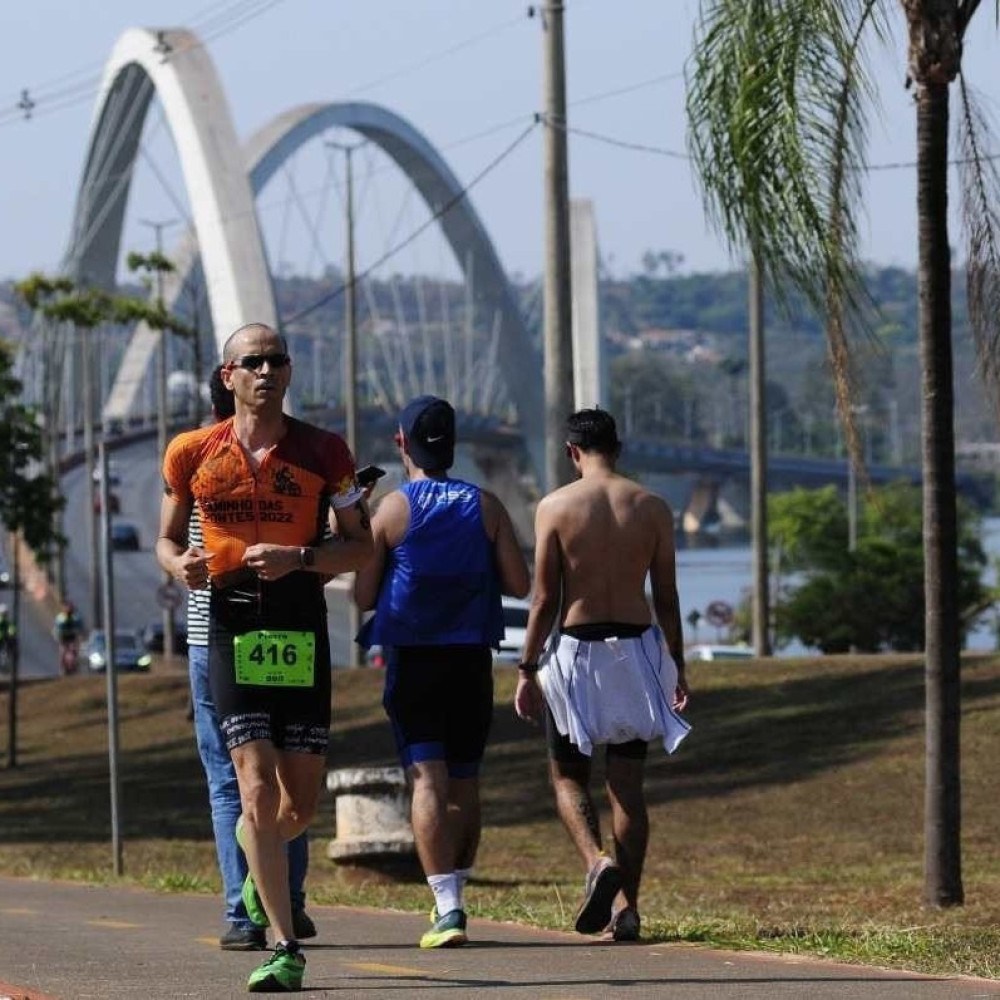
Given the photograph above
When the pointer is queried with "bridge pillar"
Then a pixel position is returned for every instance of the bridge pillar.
(702, 510)
(513, 488)
(590, 377)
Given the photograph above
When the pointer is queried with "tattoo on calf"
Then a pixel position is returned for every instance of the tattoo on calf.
(585, 808)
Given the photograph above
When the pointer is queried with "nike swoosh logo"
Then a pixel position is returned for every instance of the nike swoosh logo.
(434, 440)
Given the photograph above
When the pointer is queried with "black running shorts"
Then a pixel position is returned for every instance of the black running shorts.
(295, 719)
(439, 700)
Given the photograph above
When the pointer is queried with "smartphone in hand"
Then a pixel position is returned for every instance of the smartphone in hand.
(369, 476)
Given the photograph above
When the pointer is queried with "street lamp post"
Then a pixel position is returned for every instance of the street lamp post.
(350, 358)
(162, 403)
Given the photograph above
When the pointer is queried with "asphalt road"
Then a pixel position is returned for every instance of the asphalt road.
(74, 942)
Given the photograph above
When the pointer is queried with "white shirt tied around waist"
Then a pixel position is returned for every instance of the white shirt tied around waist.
(612, 690)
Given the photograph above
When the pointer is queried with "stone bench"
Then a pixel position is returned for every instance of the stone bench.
(371, 814)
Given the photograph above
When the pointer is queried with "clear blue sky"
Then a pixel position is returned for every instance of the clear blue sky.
(454, 68)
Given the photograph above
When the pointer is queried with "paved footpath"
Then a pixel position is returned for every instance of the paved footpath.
(71, 942)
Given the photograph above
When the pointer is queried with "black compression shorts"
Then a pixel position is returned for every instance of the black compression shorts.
(295, 719)
(439, 700)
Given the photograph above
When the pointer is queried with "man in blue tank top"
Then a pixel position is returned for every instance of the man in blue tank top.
(445, 551)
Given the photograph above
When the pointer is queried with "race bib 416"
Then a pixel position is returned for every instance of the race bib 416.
(273, 658)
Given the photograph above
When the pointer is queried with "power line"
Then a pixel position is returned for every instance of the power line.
(390, 253)
(638, 147)
(629, 89)
(436, 56)
(238, 14)
(676, 155)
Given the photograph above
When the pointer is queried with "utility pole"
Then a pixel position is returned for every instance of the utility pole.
(350, 361)
(161, 416)
(91, 492)
(110, 671)
(14, 654)
(558, 312)
(758, 462)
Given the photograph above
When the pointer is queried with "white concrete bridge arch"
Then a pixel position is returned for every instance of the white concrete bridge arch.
(222, 178)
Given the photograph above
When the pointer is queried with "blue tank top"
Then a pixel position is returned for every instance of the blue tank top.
(441, 585)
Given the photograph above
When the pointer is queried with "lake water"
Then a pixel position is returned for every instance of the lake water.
(721, 569)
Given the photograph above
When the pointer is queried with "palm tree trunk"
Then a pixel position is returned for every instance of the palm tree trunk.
(942, 796)
(758, 463)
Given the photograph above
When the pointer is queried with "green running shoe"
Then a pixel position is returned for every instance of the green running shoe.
(281, 973)
(251, 898)
(446, 932)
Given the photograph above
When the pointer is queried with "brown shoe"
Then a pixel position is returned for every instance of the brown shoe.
(603, 882)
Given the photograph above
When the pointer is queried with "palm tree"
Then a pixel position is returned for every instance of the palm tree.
(778, 98)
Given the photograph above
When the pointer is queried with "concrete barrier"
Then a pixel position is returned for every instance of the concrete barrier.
(371, 814)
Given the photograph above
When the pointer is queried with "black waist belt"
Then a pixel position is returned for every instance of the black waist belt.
(598, 631)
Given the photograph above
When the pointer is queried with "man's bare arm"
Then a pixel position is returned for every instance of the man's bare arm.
(352, 545)
(348, 550)
(528, 699)
(185, 564)
(388, 526)
(666, 603)
(547, 587)
(515, 579)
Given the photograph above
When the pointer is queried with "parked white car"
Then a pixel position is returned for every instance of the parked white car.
(515, 624)
(707, 651)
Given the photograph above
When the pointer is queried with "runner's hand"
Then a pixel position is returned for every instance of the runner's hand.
(272, 562)
(528, 699)
(192, 568)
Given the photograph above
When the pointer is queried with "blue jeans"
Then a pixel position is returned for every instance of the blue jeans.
(224, 799)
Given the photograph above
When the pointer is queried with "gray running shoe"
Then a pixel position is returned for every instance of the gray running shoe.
(602, 884)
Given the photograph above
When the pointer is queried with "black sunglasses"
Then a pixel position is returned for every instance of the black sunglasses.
(254, 362)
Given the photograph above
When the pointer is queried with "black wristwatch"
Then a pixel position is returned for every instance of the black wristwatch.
(307, 557)
(528, 668)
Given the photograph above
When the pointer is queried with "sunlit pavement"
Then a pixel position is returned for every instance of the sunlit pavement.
(73, 942)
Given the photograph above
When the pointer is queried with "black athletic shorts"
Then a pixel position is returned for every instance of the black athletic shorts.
(561, 748)
(295, 719)
(439, 700)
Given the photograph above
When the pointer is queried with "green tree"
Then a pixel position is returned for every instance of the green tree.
(28, 496)
(871, 599)
(87, 310)
(29, 502)
(778, 99)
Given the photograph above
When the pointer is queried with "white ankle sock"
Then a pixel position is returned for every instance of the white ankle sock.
(447, 892)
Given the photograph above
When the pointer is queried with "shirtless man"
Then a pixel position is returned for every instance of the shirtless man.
(606, 676)
(265, 484)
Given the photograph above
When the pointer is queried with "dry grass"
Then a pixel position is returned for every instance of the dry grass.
(790, 820)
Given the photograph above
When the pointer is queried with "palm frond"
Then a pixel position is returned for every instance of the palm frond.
(980, 199)
(778, 96)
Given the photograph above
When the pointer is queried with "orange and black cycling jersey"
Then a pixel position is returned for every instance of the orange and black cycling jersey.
(285, 502)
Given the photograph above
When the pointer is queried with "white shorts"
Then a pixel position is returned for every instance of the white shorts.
(612, 690)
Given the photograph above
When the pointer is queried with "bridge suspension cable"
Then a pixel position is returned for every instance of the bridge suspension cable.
(442, 211)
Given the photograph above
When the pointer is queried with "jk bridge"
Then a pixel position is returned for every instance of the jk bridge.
(465, 332)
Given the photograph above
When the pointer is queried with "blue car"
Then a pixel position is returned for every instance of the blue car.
(124, 536)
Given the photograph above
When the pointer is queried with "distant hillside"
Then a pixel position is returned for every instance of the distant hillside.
(677, 348)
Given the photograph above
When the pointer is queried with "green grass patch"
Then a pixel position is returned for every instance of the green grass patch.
(790, 821)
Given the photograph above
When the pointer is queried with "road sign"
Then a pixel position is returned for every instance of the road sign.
(169, 595)
(719, 613)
